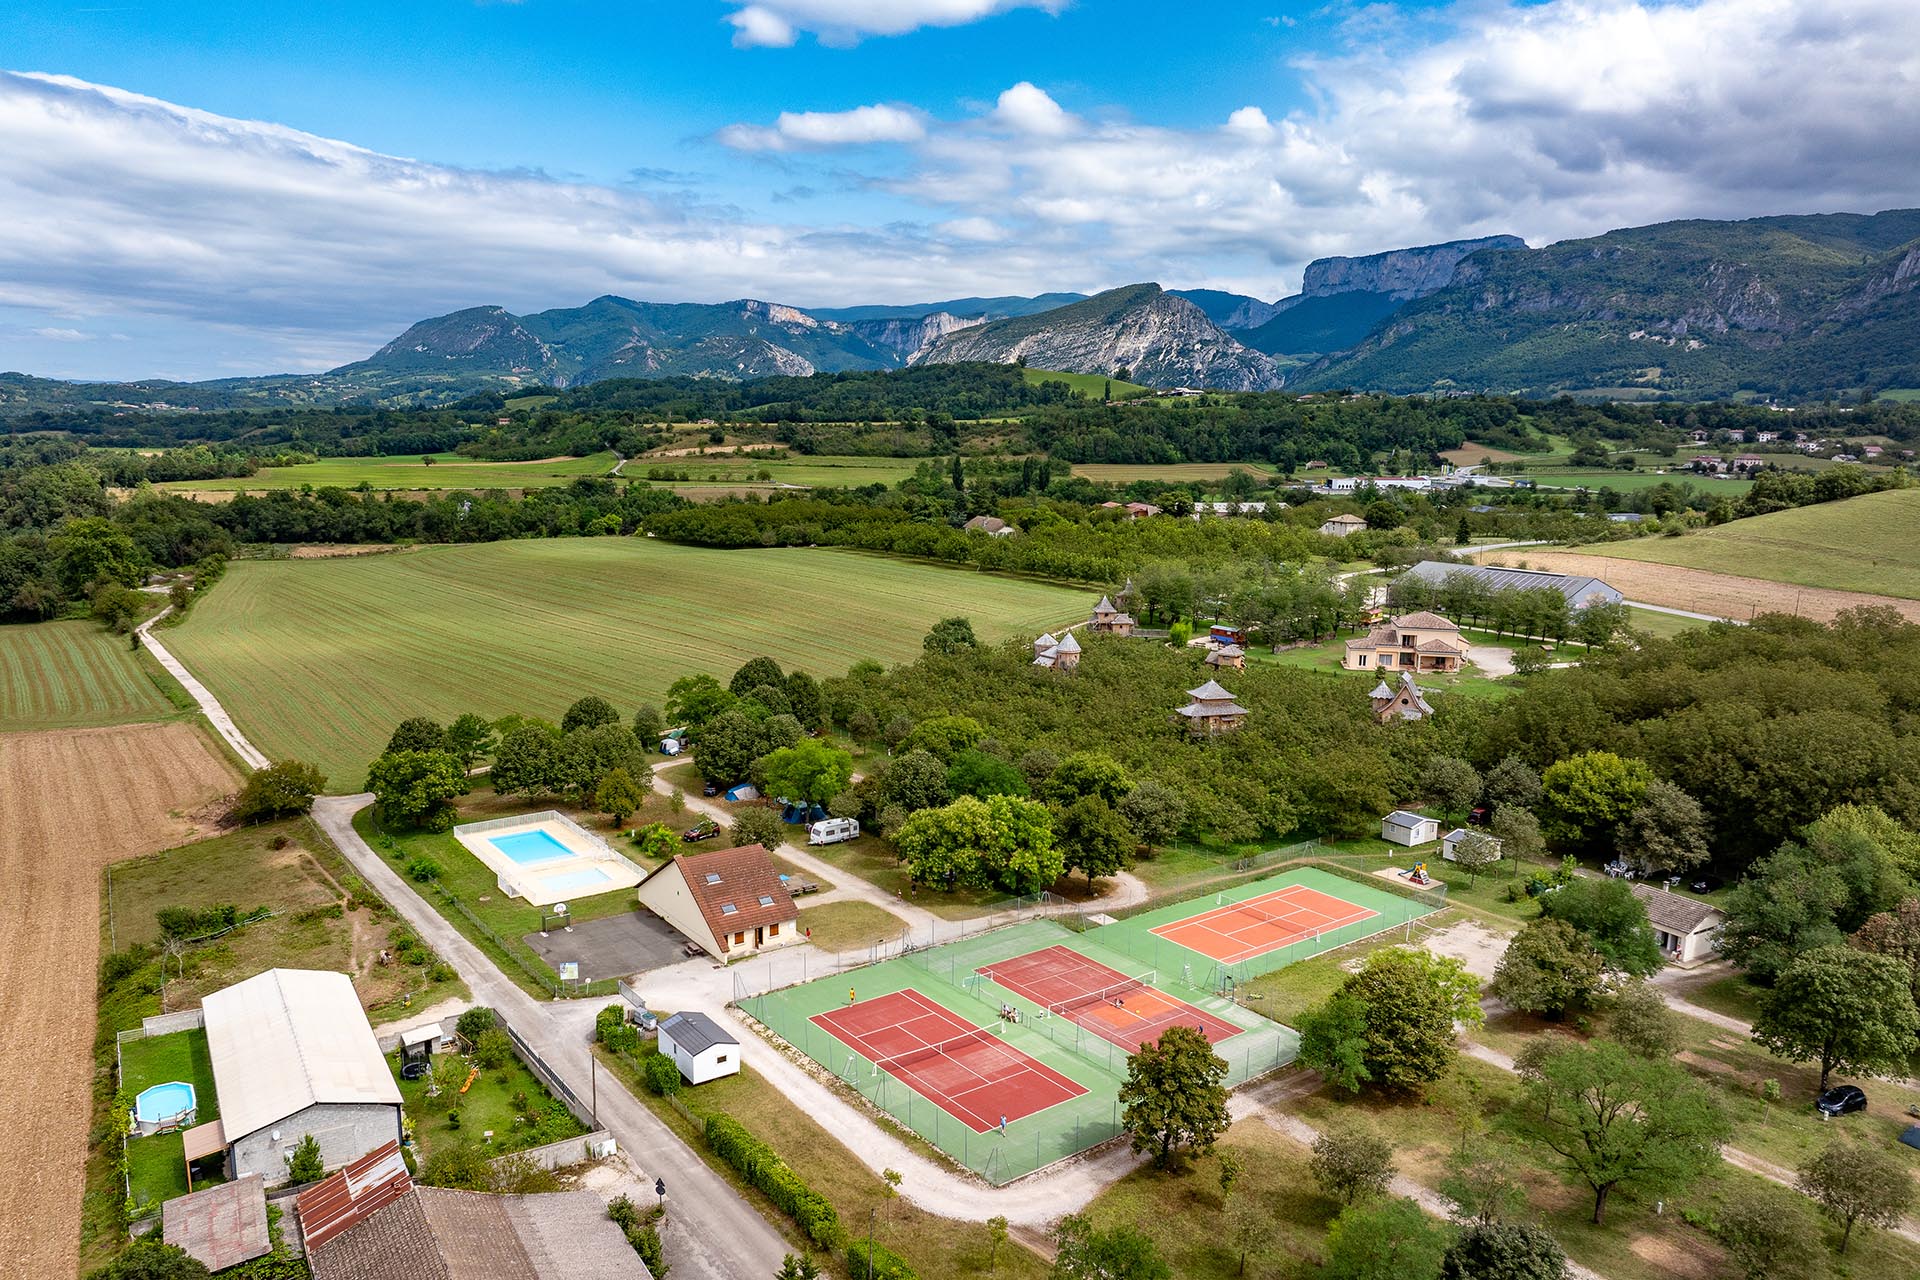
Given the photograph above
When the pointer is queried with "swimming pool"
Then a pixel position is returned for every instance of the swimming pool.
(591, 879)
(164, 1106)
(529, 848)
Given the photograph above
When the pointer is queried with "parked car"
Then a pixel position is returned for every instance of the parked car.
(701, 830)
(1664, 875)
(1841, 1099)
(709, 788)
(1708, 884)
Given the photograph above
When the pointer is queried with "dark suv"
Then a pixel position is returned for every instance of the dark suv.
(1841, 1099)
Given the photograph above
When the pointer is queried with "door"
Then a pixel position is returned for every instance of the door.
(759, 936)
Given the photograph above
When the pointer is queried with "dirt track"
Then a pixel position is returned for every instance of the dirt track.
(71, 801)
(1701, 591)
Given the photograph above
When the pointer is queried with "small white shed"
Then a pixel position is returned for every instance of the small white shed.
(702, 1048)
(1451, 841)
(1402, 827)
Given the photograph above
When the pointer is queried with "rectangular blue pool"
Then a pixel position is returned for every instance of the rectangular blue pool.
(527, 848)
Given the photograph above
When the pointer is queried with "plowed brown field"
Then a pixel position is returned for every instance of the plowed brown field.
(1722, 594)
(71, 801)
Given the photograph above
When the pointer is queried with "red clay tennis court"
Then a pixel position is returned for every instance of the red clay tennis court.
(1126, 1010)
(1242, 930)
(966, 1071)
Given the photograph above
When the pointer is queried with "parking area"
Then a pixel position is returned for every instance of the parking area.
(613, 946)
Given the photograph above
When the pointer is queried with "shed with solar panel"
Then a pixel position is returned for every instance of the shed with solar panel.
(702, 1048)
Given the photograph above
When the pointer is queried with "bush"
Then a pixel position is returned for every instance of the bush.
(476, 1020)
(493, 1049)
(663, 1074)
(422, 869)
(463, 1166)
(611, 1028)
(885, 1264)
(281, 790)
(192, 922)
(305, 1164)
(761, 1166)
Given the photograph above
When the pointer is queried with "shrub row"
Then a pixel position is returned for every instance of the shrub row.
(761, 1166)
(881, 1264)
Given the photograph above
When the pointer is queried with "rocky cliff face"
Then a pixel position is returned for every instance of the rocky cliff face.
(1162, 340)
(911, 337)
(1403, 273)
(487, 339)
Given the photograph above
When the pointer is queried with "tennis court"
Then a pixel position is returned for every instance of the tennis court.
(1242, 930)
(1129, 1011)
(967, 1071)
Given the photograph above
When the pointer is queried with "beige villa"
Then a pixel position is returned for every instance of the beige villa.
(1412, 642)
(730, 901)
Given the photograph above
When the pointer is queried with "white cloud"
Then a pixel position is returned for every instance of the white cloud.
(803, 129)
(1252, 122)
(777, 23)
(980, 229)
(1027, 109)
(53, 334)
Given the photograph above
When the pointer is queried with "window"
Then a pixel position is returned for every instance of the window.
(727, 909)
(713, 877)
(720, 1060)
(766, 900)
(739, 939)
(773, 931)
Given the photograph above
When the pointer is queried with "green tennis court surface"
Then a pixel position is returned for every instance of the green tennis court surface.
(977, 1050)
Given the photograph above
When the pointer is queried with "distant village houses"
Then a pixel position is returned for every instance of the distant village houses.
(1342, 525)
(992, 526)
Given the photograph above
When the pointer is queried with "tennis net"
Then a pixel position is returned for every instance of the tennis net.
(1105, 995)
(907, 1059)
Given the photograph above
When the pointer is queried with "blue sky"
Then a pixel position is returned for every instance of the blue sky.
(208, 189)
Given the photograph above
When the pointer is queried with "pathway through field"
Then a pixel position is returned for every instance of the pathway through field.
(71, 801)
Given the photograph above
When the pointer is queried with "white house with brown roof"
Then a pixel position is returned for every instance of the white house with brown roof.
(730, 901)
(1411, 642)
(1686, 928)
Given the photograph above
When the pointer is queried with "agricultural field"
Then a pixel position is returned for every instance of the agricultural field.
(62, 675)
(1634, 481)
(750, 471)
(446, 471)
(76, 800)
(1722, 595)
(1093, 386)
(319, 659)
(1173, 472)
(1869, 544)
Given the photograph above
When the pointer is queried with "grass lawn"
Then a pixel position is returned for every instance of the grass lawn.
(1663, 626)
(59, 675)
(1172, 472)
(1326, 657)
(1634, 481)
(846, 926)
(487, 1105)
(305, 883)
(873, 860)
(938, 1248)
(1091, 385)
(446, 471)
(318, 659)
(1870, 543)
(156, 1167)
(1732, 995)
(691, 472)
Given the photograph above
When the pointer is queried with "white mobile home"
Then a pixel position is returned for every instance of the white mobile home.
(1402, 827)
(833, 830)
(1451, 841)
(702, 1048)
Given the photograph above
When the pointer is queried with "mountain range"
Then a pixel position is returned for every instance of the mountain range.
(1795, 306)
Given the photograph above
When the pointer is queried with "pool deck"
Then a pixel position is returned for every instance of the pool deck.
(593, 866)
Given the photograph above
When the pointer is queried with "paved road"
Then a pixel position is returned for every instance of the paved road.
(712, 1231)
(209, 705)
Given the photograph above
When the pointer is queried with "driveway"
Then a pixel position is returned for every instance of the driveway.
(712, 1231)
(611, 947)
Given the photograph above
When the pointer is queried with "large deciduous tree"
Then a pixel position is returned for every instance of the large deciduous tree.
(1641, 1019)
(1784, 907)
(1155, 811)
(1513, 782)
(1608, 914)
(589, 712)
(1518, 832)
(1588, 795)
(808, 772)
(526, 761)
(1848, 1010)
(755, 825)
(753, 673)
(416, 788)
(1334, 1040)
(1895, 934)
(1451, 783)
(417, 733)
(1503, 1251)
(1409, 1001)
(694, 700)
(917, 780)
(1856, 1183)
(1088, 773)
(1174, 1099)
(1621, 1120)
(1668, 828)
(1123, 1252)
(1390, 1240)
(950, 636)
(1352, 1162)
(1549, 967)
(618, 795)
(469, 738)
(281, 790)
(1094, 840)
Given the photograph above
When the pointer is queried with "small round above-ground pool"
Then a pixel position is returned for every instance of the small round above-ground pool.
(164, 1106)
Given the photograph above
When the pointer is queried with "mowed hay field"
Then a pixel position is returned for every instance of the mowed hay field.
(446, 471)
(1723, 595)
(56, 675)
(71, 801)
(319, 659)
(1869, 544)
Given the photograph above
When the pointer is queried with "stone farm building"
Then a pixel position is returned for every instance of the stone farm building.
(293, 1055)
(730, 901)
(1579, 591)
(1227, 656)
(1412, 642)
(1212, 711)
(1341, 526)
